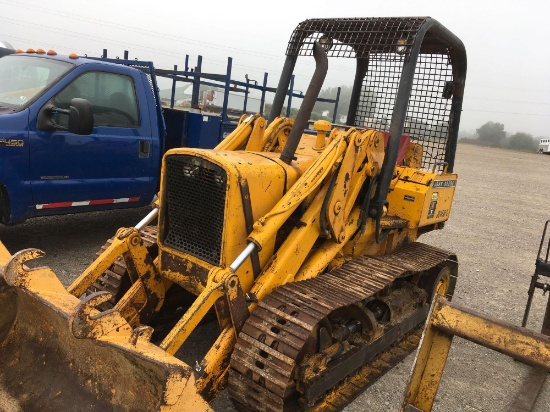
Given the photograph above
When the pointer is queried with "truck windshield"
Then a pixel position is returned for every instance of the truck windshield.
(24, 77)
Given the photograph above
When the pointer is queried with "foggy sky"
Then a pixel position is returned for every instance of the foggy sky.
(508, 61)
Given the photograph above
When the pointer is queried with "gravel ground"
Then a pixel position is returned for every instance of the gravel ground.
(500, 207)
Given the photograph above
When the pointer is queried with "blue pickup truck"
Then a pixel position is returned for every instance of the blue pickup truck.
(81, 134)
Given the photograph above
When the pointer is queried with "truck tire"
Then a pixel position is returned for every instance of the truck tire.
(4, 205)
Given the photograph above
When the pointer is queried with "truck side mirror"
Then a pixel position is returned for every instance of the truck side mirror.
(5, 51)
(81, 118)
(45, 121)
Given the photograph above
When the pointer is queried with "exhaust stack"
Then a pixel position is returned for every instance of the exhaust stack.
(321, 68)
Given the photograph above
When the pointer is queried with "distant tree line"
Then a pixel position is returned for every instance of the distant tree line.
(490, 134)
(493, 134)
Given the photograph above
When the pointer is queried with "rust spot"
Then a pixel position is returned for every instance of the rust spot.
(184, 267)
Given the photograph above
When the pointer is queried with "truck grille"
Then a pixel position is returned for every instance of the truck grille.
(195, 203)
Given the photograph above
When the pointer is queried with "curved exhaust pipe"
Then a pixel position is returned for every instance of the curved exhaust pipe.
(321, 68)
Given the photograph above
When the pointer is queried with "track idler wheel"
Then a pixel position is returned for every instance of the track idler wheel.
(440, 281)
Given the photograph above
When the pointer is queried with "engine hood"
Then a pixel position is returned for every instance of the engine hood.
(5, 110)
(13, 124)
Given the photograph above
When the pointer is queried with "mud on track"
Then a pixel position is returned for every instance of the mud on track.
(501, 203)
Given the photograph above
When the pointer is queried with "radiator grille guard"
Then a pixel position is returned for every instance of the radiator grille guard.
(387, 44)
(194, 207)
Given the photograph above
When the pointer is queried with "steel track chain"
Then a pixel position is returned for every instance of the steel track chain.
(264, 362)
(112, 279)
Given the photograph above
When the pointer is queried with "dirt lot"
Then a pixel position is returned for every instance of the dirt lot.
(501, 203)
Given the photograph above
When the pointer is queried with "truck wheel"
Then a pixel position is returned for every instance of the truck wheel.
(4, 205)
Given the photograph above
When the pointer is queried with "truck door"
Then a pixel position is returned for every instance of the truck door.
(112, 166)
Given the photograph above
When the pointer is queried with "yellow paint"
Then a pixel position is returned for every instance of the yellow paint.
(181, 331)
(267, 226)
(413, 194)
(321, 127)
(351, 176)
(4, 256)
(255, 143)
(84, 331)
(449, 319)
(119, 246)
(286, 203)
(237, 138)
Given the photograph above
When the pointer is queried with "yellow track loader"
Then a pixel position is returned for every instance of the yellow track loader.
(303, 243)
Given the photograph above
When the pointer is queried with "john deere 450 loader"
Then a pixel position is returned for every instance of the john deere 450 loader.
(304, 245)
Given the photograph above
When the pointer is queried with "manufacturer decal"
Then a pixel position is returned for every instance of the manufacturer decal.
(11, 143)
(409, 198)
(442, 213)
(433, 205)
(444, 183)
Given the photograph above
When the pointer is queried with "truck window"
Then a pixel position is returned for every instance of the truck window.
(112, 96)
(22, 78)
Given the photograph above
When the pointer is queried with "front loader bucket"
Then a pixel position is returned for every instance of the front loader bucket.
(60, 353)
